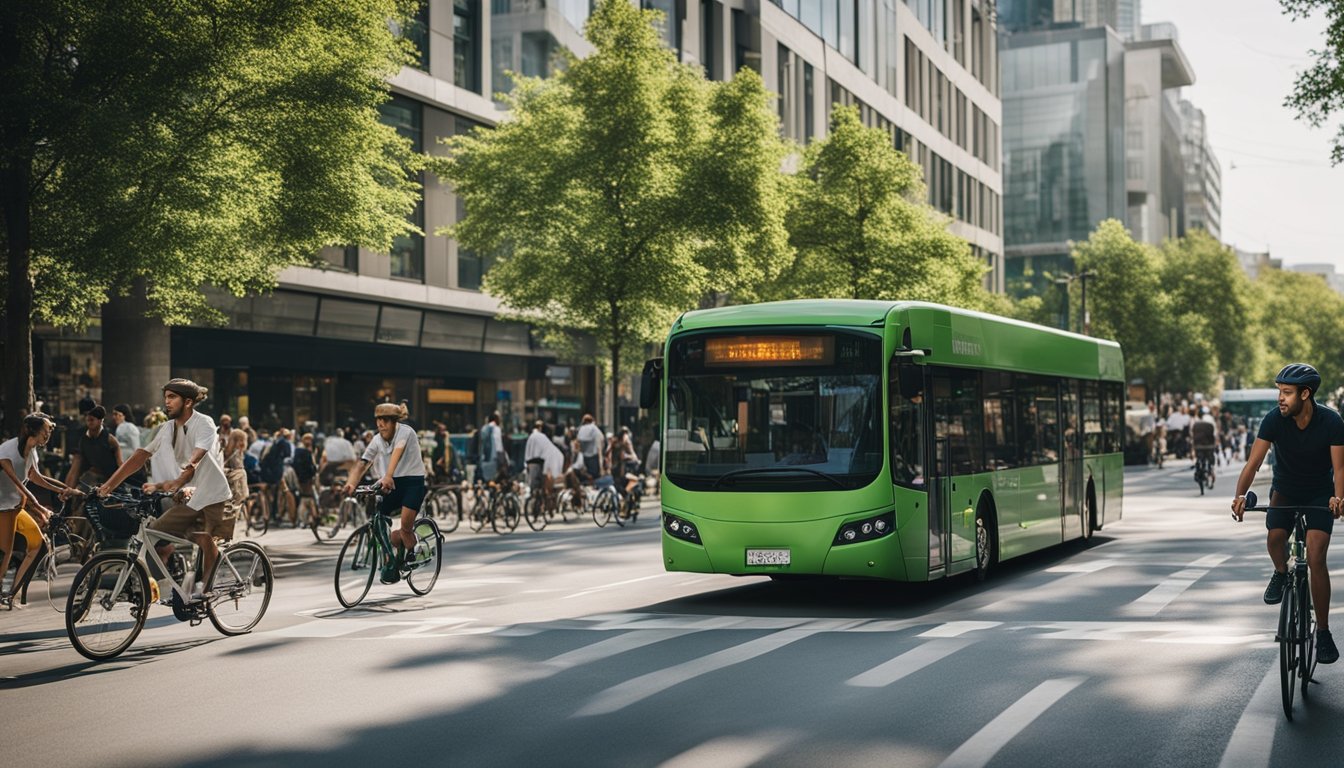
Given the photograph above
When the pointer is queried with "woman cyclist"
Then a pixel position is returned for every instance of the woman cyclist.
(19, 465)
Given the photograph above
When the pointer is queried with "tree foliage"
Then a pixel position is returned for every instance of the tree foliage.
(189, 143)
(861, 228)
(1204, 279)
(1318, 92)
(1303, 322)
(623, 188)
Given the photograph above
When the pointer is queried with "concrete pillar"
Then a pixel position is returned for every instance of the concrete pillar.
(136, 354)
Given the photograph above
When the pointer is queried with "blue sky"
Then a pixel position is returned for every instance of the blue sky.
(1282, 193)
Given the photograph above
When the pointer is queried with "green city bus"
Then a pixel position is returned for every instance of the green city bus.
(887, 440)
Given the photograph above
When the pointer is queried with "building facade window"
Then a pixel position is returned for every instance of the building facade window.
(466, 44)
(408, 250)
(417, 31)
(671, 25)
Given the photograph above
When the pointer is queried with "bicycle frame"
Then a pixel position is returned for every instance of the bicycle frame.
(136, 547)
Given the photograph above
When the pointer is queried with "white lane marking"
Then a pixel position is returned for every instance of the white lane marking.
(1159, 597)
(1085, 567)
(1252, 741)
(632, 691)
(1211, 561)
(731, 751)
(908, 663)
(600, 650)
(959, 628)
(981, 748)
(1164, 632)
(613, 584)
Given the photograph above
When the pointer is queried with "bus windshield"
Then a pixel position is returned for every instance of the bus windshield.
(770, 410)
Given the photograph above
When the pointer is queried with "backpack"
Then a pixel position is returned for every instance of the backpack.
(273, 463)
(474, 447)
(253, 468)
(304, 467)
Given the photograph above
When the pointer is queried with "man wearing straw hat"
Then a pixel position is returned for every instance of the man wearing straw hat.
(394, 454)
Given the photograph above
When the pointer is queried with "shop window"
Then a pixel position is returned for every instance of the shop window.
(349, 320)
(397, 325)
(444, 331)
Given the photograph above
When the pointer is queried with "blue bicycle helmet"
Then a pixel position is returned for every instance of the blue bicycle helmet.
(1301, 375)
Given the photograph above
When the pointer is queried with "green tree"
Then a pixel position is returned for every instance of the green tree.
(1318, 92)
(178, 144)
(862, 230)
(622, 189)
(1303, 323)
(1204, 278)
(1125, 298)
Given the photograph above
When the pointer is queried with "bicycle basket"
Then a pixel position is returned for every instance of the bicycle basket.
(116, 522)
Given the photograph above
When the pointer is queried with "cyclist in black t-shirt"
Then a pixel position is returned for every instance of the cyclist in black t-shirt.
(1308, 442)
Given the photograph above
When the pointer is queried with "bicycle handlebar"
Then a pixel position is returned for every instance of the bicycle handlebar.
(367, 490)
(1252, 507)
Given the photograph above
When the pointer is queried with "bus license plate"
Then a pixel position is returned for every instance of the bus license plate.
(767, 557)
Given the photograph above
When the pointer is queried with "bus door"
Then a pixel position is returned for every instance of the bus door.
(912, 442)
(1071, 453)
(958, 452)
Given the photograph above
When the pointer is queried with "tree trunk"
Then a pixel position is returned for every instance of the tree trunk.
(615, 387)
(15, 177)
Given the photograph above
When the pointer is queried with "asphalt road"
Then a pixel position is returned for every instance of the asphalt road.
(1151, 647)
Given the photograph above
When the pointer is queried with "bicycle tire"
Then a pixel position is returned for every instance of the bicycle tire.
(564, 506)
(480, 510)
(258, 516)
(535, 512)
(87, 619)
(602, 509)
(358, 563)
(421, 578)
(1306, 621)
(59, 573)
(446, 508)
(1287, 648)
(239, 588)
(504, 516)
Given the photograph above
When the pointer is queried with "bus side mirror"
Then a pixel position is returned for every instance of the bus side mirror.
(649, 383)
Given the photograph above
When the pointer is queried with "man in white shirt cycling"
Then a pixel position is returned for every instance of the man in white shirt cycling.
(202, 513)
(394, 454)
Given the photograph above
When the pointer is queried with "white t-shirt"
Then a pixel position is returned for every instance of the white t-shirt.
(590, 439)
(212, 486)
(379, 453)
(257, 448)
(10, 496)
(338, 450)
(129, 437)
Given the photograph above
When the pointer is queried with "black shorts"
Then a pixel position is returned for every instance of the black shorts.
(1317, 519)
(406, 492)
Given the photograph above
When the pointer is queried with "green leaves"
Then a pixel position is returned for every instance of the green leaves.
(623, 189)
(1318, 92)
(192, 143)
(862, 230)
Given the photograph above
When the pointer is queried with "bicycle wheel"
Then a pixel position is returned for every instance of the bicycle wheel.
(445, 507)
(58, 570)
(1288, 648)
(1306, 626)
(258, 516)
(604, 508)
(565, 505)
(479, 512)
(535, 512)
(356, 566)
(239, 588)
(428, 557)
(506, 515)
(101, 624)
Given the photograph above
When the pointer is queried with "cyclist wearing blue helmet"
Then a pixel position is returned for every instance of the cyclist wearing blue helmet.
(1308, 441)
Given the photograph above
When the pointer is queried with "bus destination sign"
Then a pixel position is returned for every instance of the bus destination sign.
(770, 350)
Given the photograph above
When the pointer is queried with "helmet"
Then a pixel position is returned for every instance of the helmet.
(1299, 374)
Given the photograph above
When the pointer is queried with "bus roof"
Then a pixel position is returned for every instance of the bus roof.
(1248, 395)
(949, 335)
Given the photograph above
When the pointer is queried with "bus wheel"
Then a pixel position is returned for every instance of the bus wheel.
(984, 542)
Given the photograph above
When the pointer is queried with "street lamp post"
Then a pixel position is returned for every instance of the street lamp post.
(1082, 278)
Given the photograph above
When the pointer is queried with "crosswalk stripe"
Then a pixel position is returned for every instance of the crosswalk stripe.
(908, 663)
(730, 751)
(1252, 741)
(1154, 600)
(981, 748)
(637, 689)
(627, 641)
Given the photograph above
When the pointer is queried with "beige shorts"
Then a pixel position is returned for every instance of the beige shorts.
(237, 484)
(182, 521)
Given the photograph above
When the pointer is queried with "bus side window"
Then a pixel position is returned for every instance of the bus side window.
(1001, 449)
(906, 398)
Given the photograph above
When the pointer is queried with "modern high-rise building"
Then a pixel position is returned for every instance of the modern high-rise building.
(1122, 16)
(1155, 68)
(1063, 146)
(414, 324)
(1203, 175)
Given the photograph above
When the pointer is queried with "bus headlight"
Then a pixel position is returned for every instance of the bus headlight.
(680, 529)
(867, 529)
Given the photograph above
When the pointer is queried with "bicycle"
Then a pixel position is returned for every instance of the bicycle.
(256, 508)
(444, 502)
(1204, 469)
(369, 548)
(1296, 631)
(606, 504)
(111, 595)
(62, 561)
